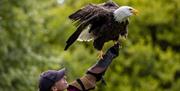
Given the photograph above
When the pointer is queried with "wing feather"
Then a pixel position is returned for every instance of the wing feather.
(76, 34)
(90, 10)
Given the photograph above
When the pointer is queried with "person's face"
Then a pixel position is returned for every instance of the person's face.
(60, 85)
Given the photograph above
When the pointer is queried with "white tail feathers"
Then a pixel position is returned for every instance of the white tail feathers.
(85, 35)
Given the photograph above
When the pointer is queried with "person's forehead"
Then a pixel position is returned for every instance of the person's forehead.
(61, 80)
(64, 77)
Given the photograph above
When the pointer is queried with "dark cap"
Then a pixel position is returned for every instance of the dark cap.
(48, 78)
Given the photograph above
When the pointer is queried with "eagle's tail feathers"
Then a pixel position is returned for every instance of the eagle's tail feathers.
(85, 35)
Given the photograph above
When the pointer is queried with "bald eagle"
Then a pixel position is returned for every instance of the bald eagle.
(100, 23)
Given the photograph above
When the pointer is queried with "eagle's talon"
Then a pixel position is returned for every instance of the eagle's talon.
(100, 55)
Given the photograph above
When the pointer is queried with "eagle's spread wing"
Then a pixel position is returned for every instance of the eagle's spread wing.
(90, 10)
(90, 14)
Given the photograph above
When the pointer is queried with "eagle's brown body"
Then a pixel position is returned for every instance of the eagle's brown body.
(103, 25)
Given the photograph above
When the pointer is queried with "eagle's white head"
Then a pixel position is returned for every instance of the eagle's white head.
(123, 12)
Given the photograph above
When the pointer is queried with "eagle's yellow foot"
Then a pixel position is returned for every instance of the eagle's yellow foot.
(124, 37)
(100, 54)
(115, 42)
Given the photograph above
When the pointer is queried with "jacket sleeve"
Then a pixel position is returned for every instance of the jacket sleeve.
(96, 72)
(85, 83)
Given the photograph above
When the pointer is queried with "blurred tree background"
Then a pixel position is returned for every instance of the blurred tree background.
(33, 35)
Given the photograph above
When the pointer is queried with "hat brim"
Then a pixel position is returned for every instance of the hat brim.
(60, 74)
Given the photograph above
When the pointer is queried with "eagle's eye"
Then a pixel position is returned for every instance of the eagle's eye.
(130, 9)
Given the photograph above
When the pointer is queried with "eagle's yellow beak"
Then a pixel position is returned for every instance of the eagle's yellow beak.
(135, 11)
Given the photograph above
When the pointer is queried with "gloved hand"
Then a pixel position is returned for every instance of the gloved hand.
(114, 49)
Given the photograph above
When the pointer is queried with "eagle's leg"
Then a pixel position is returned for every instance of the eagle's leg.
(100, 54)
(98, 44)
(116, 41)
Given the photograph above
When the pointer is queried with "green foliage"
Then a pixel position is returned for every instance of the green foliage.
(33, 35)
